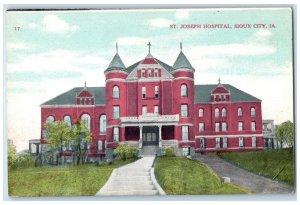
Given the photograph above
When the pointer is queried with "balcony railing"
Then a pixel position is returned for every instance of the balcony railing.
(150, 117)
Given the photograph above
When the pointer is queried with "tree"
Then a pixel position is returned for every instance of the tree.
(81, 138)
(285, 133)
(58, 135)
(12, 155)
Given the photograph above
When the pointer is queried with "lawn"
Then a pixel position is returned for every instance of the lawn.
(178, 176)
(83, 180)
(276, 164)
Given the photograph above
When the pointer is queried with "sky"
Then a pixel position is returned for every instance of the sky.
(48, 53)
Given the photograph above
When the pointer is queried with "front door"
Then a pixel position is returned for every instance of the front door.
(150, 138)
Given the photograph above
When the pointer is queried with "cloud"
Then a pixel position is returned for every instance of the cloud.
(17, 46)
(129, 41)
(32, 25)
(52, 24)
(159, 23)
(263, 33)
(182, 14)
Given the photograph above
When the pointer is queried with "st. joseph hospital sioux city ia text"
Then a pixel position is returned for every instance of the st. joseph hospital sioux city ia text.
(221, 26)
(151, 104)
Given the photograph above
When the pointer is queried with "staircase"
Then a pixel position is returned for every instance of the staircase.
(149, 150)
(131, 179)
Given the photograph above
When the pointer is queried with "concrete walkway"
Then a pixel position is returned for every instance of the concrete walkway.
(136, 178)
(243, 178)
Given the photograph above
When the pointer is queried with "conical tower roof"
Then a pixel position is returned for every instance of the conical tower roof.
(182, 61)
(116, 63)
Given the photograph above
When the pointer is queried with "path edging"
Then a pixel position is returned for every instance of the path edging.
(157, 186)
(105, 187)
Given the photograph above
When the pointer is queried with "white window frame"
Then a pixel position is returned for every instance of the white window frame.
(144, 92)
(116, 92)
(156, 91)
(201, 112)
(156, 72)
(143, 74)
(252, 112)
(217, 127)
(240, 126)
(50, 119)
(183, 90)
(218, 142)
(100, 145)
(254, 141)
(116, 113)
(225, 142)
(144, 110)
(224, 126)
(149, 72)
(217, 113)
(86, 118)
(185, 132)
(241, 142)
(67, 120)
(184, 110)
(185, 151)
(201, 127)
(202, 142)
(116, 134)
(102, 124)
(224, 112)
(253, 126)
(240, 112)
(156, 109)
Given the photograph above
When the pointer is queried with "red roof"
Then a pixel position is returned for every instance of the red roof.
(220, 89)
(149, 61)
(85, 93)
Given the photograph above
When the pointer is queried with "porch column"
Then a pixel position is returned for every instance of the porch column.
(160, 138)
(141, 137)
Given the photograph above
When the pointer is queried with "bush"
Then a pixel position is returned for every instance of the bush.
(124, 152)
(24, 161)
(169, 151)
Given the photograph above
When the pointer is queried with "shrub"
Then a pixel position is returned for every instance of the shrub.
(24, 161)
(124, 152)
(169, 151)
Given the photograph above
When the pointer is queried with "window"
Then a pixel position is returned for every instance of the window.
(240, 126)
(86, 120)
(201, 112)
(185, 133)
(253, 126)
(240, 112)
(202, 142)
(217, 112)
(201, 127)
(116, 134)
(185, 151)
(241, 141)
(253, 141)
(99, 146)
(224, 112)
(50, 119)
(116, 112)
(156, 91)
(252, 112)
(224, 126)
(225, 142)
(144, 110)
(156, 110)
(143, 73)
(156, 72)
(220, 97)
(184, 111)
(116, 92)
(183, 90)
(67, 120)
(143, 92)
(149, 73)
(217, 127)
(224, 97)
(218, 143)
(103, 124)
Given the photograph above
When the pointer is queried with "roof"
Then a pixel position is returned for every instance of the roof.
(182, 62)
(116, 64)
(203, 94)
(69, 97)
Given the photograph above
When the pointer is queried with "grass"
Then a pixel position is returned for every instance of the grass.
(276, 164)
(82, 180)
(179, 176)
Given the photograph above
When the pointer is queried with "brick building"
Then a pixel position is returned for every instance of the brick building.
(153, 104)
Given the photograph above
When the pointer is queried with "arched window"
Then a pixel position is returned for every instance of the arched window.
(86, 120)
(252, 112)
(50, 119)
(183, 90)
(201, 112)
(240, 112)
(116, 92)
(67, 120)
(103, 124)
(217, 112)
(224, 112)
